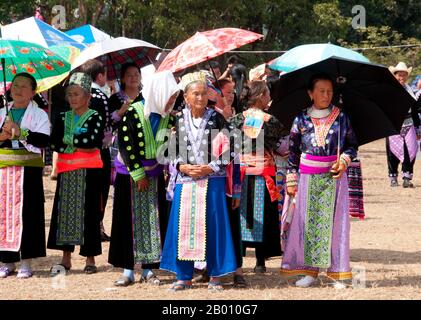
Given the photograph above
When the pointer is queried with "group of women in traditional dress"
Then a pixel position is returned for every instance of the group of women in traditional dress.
(191, 186)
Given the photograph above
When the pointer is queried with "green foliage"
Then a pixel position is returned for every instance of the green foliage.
(284, 23)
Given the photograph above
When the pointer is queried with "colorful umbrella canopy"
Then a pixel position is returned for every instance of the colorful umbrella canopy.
(307, 54)
(206, 45)
(375, 101)
(36, 31)
(115, 52)
(88, 34)
(68, 53)
(21, 56)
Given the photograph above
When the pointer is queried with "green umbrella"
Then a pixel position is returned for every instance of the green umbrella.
(20, 56)
(68, 53)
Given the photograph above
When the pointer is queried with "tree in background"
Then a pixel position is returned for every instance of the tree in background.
(284, 23)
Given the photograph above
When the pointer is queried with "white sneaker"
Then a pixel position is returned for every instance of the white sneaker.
(305, 282)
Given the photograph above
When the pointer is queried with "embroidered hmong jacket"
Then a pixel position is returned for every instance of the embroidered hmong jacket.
(115, 103)
(204, 150)
(309, 135)
(272, 130)
(88, 134)
(137, 141)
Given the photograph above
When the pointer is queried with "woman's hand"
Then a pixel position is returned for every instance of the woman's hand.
(143, 184)
(338, 170)
(123, 108)
(11, 127)
(4, 135)
(235, 204)
(227, 112)
(195, 171)
(292, 191)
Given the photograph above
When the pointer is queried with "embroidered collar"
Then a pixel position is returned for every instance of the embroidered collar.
(313, 112)
(322, 127)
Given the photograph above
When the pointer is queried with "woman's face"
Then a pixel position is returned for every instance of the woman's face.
(197, 96)
(229, 93)
(132, 78)
(77, 97)
(265, 99)
(21, 91)
(322, 94)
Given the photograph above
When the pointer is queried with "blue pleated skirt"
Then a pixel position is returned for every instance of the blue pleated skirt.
(220, 255)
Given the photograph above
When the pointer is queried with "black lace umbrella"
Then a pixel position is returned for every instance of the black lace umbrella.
(375, 101)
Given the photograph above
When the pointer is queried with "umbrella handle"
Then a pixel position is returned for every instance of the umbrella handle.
(339, 143)
(217, 82)
(3, 65)
(13, 129)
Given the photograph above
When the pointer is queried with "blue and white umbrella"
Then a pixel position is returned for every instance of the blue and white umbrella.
(36, 31)
(307, 54)
(88, 34)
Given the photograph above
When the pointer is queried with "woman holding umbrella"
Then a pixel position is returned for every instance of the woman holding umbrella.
(25, 130)
(322, 145)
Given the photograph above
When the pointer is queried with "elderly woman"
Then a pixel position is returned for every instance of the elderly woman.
(403, 148)
(77, 137)
(139, 210)
(24, 132)
(259, 196)
(199, 228)
(319, 232)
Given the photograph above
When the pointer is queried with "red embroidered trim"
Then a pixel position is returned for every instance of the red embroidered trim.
(322, 127)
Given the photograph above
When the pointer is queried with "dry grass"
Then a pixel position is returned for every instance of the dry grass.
(387, 244)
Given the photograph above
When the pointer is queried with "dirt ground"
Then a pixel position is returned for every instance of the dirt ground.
(386, 247)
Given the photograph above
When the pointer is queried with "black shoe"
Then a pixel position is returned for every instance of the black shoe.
(239, 281)
(259, 269)
(105, 237)
(394, 183)
(407, 183)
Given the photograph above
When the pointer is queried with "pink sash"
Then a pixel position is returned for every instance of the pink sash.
(310, 164)
(11, 204)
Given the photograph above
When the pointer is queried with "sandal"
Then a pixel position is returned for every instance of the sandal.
(180, 286)
(123, 281)
(151, 279)
(215, 286)
(5, 272)
(24, 274)
(239, 281)
(90, 269)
